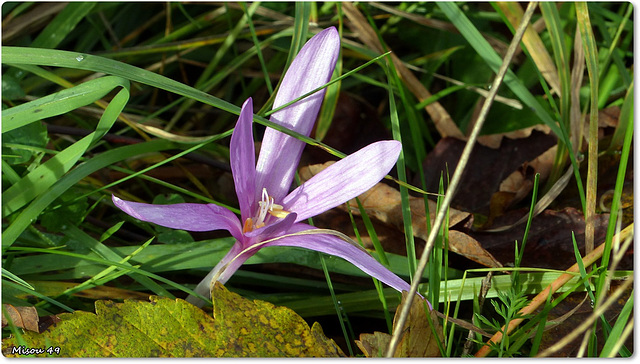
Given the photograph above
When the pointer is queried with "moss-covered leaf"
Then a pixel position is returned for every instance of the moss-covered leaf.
(174, 328)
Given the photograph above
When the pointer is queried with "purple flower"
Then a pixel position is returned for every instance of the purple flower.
(270, 215)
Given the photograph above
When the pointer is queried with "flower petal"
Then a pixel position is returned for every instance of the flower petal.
(243, 160)
(185, 216)
(333, 245)
(280, 153)
(343, 180)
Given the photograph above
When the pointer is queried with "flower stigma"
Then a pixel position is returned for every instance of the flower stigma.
(266, 205)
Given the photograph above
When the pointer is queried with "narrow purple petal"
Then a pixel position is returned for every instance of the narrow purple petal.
(243, 160)
(343, 180)
(335, 246)
(280, 153)
(185, 216)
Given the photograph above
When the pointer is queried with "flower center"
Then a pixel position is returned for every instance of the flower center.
(266, 205)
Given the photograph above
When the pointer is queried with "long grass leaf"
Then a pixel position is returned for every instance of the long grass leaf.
(110, 263)
(402, 176)
(57, 58)
(45, 175)
(31, 212)
(616, 331)
(60, 102)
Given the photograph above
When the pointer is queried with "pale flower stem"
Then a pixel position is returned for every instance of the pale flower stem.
(455, 180)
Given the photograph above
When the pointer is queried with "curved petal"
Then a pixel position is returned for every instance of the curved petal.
(242, 155)
(332, 245)
(185, 216)
(343, 180)
(280, 153)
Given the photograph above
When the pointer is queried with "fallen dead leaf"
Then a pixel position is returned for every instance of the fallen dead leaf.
(549, 239)
(519, 183)
(418, 339)
(25, 317)
(487, 167)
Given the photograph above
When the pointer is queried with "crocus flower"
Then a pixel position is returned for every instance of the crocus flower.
(270, 215)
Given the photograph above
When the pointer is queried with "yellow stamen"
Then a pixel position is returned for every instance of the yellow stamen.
(279, 213)
(265, 205)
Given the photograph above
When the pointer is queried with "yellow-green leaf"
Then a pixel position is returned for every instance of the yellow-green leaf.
(174, 328)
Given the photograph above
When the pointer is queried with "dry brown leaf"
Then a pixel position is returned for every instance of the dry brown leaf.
(24, 317)
(494, 140)
(607, 118)
(384, 203)
(374, 345)
(519, 183)
(463, 244)
(418, 339)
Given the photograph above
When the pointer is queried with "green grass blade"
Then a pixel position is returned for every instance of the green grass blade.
(31, 212)
(109, 255)
(58, 58)
(93, 281)
(60, 102)
(332, 94)
(203, 81)
(616, 331)
(110, 263)
(402, 174)
(382, 255)
(45, 175)
(15, 278)
(626, 118)
(254, 37)
(300, 29)
(581, 267)
(336, 304)
(60, 27)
